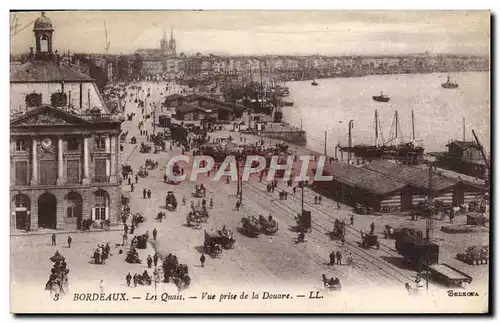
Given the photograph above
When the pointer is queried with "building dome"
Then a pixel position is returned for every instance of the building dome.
(43, 23)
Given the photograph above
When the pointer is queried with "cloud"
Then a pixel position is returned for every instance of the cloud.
(258, 32)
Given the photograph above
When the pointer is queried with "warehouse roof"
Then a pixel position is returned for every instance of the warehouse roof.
(417, 177)
(362, 178)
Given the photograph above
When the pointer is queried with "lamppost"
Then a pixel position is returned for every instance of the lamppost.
(429, 224)
(351, 125)
(239, 187)
(302, 184)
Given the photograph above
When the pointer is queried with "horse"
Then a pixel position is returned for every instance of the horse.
(54, 286)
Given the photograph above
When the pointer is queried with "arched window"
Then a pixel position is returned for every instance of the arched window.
(44, 43)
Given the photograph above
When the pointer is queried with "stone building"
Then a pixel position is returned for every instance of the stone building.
(64, 146)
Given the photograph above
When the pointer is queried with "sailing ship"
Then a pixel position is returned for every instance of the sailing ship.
(404, 152)
(313, 83)
(381, 97)
(449, 84)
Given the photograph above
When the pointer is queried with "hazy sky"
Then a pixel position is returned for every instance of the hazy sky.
(267, 32)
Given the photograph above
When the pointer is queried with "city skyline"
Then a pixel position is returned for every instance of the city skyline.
(235, 33)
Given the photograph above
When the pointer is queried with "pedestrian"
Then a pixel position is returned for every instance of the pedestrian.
(150, 261)
(372, 228)
(352, 219)
(204, 203)
(128, 278)
(125, 228)
(144, 193)
(132, 187)
(154, 230)
(136, 179)
(238, 204)
(294, 190)
(319, 199)
(132, 228)
(155, 259)
(129, 183)
(211, 204)
(342, 241)
(339, 258)
(69, 241)
(315, 200)
(202, 260)
(135, 280)
(332, 258)
(149, 193)
(184, 200)
(54, 240)
(338, 205)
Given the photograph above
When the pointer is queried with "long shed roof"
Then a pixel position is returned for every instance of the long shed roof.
(363, 179)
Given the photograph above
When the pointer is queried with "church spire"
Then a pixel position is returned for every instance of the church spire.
(171, 33)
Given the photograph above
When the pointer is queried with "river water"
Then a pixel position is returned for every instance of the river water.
(438, 111)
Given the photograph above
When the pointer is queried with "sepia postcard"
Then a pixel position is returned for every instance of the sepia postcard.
(250, 161)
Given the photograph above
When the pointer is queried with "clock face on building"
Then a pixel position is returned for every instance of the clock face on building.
(46, 143)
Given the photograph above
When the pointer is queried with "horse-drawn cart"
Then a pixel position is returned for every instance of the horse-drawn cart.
(195, 220)
(250, 226)
(332, 284)
(269, 226)
(213, 244)
(338, 229)
(369, 240)
(145, 148)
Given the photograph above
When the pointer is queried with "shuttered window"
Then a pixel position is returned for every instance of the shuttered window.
(73, 171)
(48, 172)
(21, 168)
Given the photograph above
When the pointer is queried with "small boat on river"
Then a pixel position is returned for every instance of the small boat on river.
(449, 84)
(381, 98)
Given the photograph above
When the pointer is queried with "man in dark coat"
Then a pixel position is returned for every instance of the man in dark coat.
(150, 261)
(128, 278)
(202, 260)
(54, 240)
(339, 258)
(154, 230)
(69, 241)
(332, 258)
(155, 259)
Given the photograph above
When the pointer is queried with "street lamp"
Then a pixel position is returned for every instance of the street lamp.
(351, 125)
(302, 184)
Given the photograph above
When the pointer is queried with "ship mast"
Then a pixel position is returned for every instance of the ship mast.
(397, 121)
(413, 128)
(376, 128)
(463, 128)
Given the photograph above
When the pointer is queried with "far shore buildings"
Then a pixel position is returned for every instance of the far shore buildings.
(64, 147)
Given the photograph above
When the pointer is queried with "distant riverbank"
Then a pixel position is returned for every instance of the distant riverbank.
(296, 76)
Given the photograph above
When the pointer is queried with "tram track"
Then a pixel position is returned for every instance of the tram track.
(361, 253)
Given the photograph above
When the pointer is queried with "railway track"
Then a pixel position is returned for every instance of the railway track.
(381, 265)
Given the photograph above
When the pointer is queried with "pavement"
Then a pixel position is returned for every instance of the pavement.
(269, 262)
